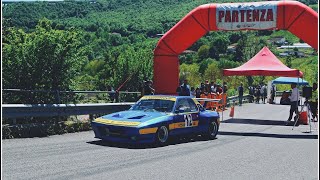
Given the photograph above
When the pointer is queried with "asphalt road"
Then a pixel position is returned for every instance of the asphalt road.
(253, 145)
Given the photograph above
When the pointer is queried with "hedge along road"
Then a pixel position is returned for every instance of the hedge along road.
(253, 145)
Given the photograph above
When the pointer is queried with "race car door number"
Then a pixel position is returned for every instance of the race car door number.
(188, 120)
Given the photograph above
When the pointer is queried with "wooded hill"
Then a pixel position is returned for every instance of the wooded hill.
(88, 45)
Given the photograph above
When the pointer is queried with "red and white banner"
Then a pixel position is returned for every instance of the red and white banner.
(255, 16)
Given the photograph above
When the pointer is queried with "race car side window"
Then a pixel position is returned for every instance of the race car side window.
(184, 104)
(192, 105)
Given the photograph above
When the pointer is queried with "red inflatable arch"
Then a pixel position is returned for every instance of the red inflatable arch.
(293, 16)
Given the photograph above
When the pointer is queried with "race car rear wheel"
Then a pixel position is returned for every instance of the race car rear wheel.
(212, 129)
(162, 135)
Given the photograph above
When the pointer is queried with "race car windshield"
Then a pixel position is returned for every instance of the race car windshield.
(154, 105)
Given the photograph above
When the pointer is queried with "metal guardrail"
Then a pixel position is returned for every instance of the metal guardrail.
(49, 110)
(235, 99)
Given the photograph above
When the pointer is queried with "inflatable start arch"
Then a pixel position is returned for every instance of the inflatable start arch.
(293, 16)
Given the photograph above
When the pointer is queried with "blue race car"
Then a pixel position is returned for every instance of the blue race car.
(153, 119)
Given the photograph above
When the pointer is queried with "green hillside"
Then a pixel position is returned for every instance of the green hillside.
(90, 45)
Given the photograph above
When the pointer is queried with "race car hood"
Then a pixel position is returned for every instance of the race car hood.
(129, 118)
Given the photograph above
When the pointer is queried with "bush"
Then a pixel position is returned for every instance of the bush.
(43, 129)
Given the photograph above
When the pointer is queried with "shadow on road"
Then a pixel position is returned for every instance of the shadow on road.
(256, 122)
(289, 136)
(172, 141)
(119, 145)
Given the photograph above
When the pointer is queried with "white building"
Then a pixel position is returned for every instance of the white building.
(296, 45)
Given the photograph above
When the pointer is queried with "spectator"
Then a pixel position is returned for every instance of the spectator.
(148, 90)
(219, 90)
(263, 92)
(198, 92)
(251, 93)
(273, 94)
(314, 102)
(117, 94)
(294, 97)
(258, 93)
(240, 91)
(111, 93)
(178, 90)
(207, 87)
(202, 88)
(212, 87)
(185, 88)
(193, 92)
(285, 98)
(225, 87)
(142, 87)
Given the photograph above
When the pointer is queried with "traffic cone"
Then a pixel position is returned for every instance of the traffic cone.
(231, 111)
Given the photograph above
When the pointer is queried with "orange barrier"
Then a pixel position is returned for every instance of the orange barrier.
(219, 105)
(215, 105)
(303, 117)
(202, 96)
(231, 112)
(212, 105)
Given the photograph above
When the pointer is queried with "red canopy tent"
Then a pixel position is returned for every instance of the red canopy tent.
(264, 63)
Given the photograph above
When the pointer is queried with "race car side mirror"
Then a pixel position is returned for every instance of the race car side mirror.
(200, 107)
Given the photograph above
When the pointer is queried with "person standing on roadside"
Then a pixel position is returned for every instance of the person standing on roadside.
(314, 102)
(294, 97)
(258, 94)
(263, 92)
(225, 87)
(178, 90)
(185, 88)
(198, 92)
(193, 92)
(251, 93)
(143, 86)
(219, 89)
(207, 87)
(273, 93)
(240, 91)
(212, 87)
(148, 90)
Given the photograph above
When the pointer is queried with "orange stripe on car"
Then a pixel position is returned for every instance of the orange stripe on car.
(148, 130)
(182, 125)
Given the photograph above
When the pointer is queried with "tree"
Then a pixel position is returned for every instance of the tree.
(289, 61)
(131, 64)
(296, 51)
(191, 73)
(234, 37)
(46, 59)
(202, 41)
(203, 52)
(213, 72)
(218, 46)
(240, 54)
(204, 65)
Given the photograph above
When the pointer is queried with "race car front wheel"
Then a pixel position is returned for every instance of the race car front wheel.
(162, 135)
(212, 129)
